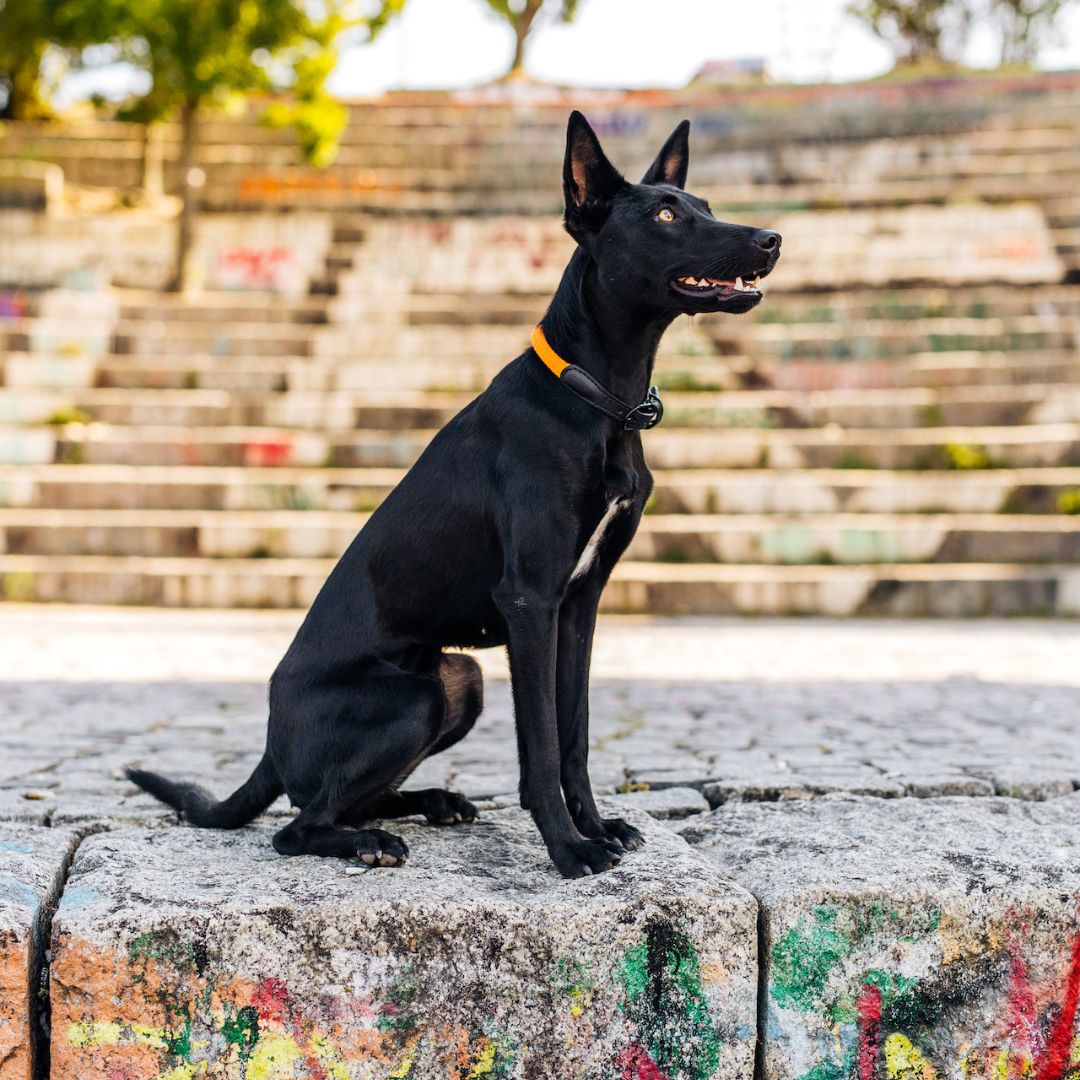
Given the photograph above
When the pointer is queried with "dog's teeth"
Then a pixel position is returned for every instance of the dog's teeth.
(757, 282)
(739, 284)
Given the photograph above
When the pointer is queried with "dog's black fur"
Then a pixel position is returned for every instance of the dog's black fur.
(483, 543)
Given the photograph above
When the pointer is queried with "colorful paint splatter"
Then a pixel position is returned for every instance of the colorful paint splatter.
(875, 1024)
(176, 1022)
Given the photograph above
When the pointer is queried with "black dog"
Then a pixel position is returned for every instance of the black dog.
(504, 532)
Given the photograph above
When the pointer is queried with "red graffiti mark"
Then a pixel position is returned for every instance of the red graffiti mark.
(268, 452)
(634, 1063)
(1024, 1020)
(271, 999)
(252, 267)
(869, 1012)
(1054, 1062)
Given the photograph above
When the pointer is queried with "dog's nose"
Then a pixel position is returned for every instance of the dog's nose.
(767, 240)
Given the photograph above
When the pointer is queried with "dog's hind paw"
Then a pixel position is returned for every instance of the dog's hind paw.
(449, 808)
(378, 848)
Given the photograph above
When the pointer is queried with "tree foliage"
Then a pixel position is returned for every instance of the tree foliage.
(933, 32)
(917, 31)
(27, 29)
(1026, 27)
(522, 17)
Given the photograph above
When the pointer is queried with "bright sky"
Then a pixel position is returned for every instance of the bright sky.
(616, 43)
(625, 43)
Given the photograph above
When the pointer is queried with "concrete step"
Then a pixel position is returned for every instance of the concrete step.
(217, 307)
(398, 410)
(704, 491)
(868, 340)
(963, 448)
(673, 539)
(947, 590)
(675, 372)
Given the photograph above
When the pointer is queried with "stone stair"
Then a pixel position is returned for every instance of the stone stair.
(895, 431)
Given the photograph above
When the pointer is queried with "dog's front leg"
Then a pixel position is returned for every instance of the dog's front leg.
(577, 623)
(532, 632)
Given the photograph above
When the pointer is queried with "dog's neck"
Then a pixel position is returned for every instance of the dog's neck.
(597, 329)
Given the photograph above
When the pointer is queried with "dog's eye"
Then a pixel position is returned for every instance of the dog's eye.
(666, 214)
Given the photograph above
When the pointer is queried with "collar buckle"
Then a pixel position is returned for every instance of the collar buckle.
(646, 415)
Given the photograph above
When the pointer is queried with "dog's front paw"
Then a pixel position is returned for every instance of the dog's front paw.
(449, 808)
(585, 857)
(378, 848)
(617, 829)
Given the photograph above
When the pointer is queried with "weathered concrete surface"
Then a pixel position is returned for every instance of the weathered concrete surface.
(180, 953)
(913, 939)
(32, 863)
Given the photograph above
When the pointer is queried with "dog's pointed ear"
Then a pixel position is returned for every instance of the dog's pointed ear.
(673, 160)
(590, 181)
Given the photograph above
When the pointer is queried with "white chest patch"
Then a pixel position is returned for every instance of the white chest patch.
(588, 556)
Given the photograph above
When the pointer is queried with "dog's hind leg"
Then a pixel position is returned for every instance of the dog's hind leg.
(402, 715)
(463, 689)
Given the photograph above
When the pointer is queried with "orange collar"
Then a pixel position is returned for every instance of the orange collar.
(552, 360)
(576, 379)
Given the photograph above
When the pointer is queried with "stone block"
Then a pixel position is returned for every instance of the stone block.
(184, 953)
(32, 864)
(672, 802)
(914, 939)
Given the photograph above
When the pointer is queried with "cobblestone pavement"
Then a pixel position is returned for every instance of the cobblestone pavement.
(732, 709)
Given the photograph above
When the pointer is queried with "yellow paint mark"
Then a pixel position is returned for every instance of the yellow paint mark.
(484, 1063)
(404, 1066)
(904, 1062)
(270, 1057)
(328, 1057)
(107, 1033)
(714, 973)
(185, 1072)
(94, 1034)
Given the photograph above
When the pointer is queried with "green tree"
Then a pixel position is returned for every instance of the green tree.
(201, 55)
(917, 31)
(27, 29)
(522, 16)
(1026, 26)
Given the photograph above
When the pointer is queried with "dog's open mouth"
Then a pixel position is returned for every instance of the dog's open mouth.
(717, 288)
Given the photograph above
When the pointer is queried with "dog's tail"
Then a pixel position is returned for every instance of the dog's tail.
(200, 808)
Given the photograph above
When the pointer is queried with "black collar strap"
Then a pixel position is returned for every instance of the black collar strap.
(632, 417)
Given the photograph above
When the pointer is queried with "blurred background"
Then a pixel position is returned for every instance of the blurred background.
(254, 252)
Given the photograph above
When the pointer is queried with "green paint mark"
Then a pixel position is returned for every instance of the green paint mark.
(826, 1070)
(667, 1003)
(572, 980)
(164, 947)
(400, 1016)
(178, 1043)
(242, 1030)
(803, 959)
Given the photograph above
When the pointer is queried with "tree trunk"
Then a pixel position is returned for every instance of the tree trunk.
(25, 102)
(189, 196)
(153, 163)
(522, 25)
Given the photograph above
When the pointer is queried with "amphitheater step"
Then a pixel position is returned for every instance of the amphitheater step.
(674, 372)
(676, 539)
(397, 410)
(948, 589)
(964, 448)
(705, 491)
